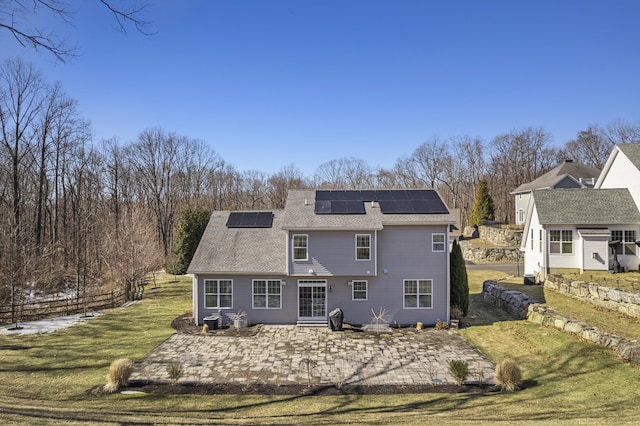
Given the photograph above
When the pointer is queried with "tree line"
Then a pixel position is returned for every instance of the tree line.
(78, 213)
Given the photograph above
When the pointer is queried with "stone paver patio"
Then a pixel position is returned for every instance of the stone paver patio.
(281, 355)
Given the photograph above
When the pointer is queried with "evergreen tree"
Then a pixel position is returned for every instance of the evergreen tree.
(483, 208)
(459, 280)
(191, 226)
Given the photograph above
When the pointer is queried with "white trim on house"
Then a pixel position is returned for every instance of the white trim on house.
(418, 293)
(364, 290)
(218, 294)
(367, 247)
(267, 293)
(313, 284)
(296, 247)
(435, 245)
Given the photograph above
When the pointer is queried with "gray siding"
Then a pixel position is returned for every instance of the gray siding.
(404, 252)
(242, 300)
(332, 253)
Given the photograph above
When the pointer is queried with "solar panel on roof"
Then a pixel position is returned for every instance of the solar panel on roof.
(250, 220)
(392, 201)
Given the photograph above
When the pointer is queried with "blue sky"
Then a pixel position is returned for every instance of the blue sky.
(271, 83)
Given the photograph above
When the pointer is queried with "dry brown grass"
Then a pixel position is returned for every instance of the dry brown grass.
(508, 375)
(119, 373)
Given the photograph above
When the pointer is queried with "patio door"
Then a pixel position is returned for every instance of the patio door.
(312, 300)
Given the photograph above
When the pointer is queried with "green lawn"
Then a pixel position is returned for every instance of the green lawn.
(44, 379)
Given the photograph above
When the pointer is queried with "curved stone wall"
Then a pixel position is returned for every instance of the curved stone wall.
(625, 348)
(518, 305)
(601, 296)
(513, 302)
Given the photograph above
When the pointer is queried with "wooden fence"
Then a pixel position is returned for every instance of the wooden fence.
(51, 308)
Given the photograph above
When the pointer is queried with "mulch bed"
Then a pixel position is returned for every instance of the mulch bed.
(301, 390)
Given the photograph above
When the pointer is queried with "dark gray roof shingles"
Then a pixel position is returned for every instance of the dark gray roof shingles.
(547, 180)
(241, 250)
(632, 151)
(585, 207)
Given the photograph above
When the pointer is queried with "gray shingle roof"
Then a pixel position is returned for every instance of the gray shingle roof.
(241, 250)
(632, 151)
(300, 214)
(264, 250)
(585, 207)
(553, 176)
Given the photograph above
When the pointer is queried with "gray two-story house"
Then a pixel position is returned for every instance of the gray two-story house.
(356, 250)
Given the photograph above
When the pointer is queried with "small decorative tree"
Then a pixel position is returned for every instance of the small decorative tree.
(483, 208)
(191, 225)
(459, 370)
(459, 280)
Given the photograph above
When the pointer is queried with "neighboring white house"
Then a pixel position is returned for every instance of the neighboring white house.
(573, 228)
(569, 174)
(622, 170)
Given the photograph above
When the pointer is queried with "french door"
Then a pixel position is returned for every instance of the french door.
(312, 300)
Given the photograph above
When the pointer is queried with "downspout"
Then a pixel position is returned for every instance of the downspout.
(446, 240)
(375, 248)
(194, 297)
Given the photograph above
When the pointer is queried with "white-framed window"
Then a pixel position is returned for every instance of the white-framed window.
(540, 242)
(267, 294)
(627, 241)
(218, 294)
(521, 216)
(300, 247)
(359, 290)
(531, 239)
(418, 294)
(363, 247)
(437, 242)
(561, 241)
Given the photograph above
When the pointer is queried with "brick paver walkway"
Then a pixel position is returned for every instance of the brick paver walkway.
(283, 355)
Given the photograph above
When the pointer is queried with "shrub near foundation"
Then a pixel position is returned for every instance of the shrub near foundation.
(119, 373)
(459, 370)
(508, 375)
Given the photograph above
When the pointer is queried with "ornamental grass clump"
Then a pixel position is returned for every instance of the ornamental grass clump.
(119, 372)
(459, 370)
(508, 375)
(174, 371)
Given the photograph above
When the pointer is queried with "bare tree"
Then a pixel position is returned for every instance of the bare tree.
(254, 189)
(279, 184)
(155, 159)
(591, 147)
(622, 132)
(344, 173)
(16, 17)
(517, 157)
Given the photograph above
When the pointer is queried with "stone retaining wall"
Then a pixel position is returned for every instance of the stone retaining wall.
(500, 236)
(512, 302)
(604, 297)
(518, 304)
(625, 348)
(489, 254)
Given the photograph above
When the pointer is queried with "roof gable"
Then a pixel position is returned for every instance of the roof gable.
(632, 151)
